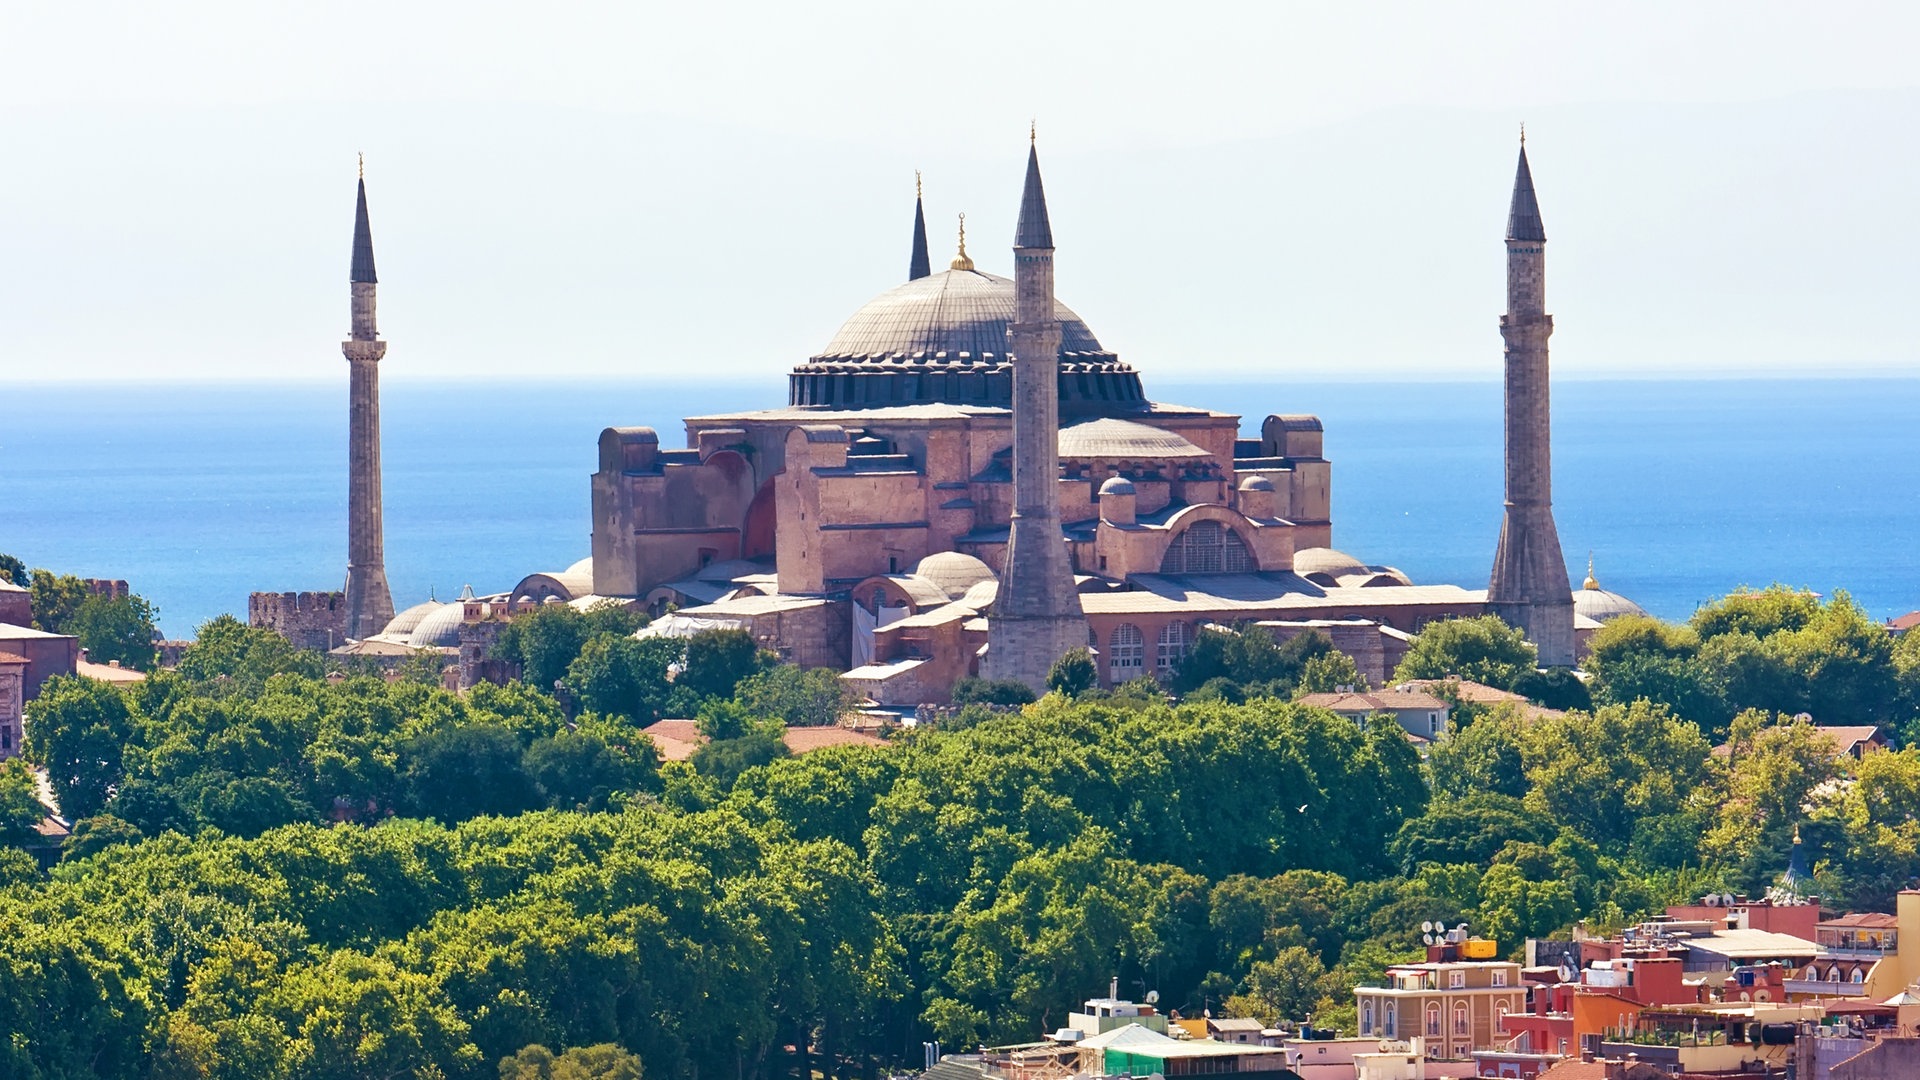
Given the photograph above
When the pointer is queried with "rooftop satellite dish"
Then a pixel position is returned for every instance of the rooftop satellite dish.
(1153, 997)
(1426, 927)
(1713, 900)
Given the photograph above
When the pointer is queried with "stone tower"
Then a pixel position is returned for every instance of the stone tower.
(369, 602)
(1529, 589)
(918, 265)
(1037, 616)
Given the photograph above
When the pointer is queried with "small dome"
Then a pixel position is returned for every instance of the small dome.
(440, 629)
(1325, 561)
(1256, 483)
(405, 622)
(953, 572)
(1116, 485)
(584, 566)
(1600, 605)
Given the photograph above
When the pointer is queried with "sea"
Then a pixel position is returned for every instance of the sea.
(1679, 490)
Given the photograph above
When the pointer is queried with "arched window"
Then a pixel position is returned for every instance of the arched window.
(1433, 1018)
(1859, 975)
(1460, 1019)
(1172, 649)
(1500, 1018)
(1366, 1018)
(1208, 547)
(1833, 973)
(1812, 974)
(1126, 653)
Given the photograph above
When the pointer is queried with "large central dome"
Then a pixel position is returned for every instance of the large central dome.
(943, 338)
(959, 313)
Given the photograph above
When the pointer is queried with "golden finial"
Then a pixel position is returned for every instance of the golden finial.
(916, 183)
(960, 261)
(1033, 131)
(1796, 834)
(1523, 133)
(1591, 582)
(363, 164)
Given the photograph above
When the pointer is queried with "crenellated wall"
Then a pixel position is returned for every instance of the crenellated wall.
(311, 620)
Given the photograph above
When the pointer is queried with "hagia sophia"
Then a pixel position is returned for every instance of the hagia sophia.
(967, 481)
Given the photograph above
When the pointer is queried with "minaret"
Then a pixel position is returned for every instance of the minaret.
(1037, 616)
(369, 602)
(919, 265)
(1529, 589)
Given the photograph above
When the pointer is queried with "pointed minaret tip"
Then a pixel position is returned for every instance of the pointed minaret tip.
(1523, 217)
(362, 236)
(1034, 230)
(919, 265)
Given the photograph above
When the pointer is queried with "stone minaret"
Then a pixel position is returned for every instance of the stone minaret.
(369, 602)
(1529, 589)
(1037, 616)
(919, 265)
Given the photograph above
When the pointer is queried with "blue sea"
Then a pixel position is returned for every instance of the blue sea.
(198, 494)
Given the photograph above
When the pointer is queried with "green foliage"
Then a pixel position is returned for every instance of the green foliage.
(1287, 987)
(795, 696)
(1010, 693)
(1470, 829)
(724, 760)
(1482, 757)
(1600, 773)
(95, 834)
(1481, 649)
(228, 656)
(718, 660)
(460, 772)
(14, 571)
(115, 629)
(1073, 674)
(605, 1061)
(55, 599)
(20, 808)
(581, 770)
(1328, 672)
(1249, 659)
(619, 675)
(79, 734)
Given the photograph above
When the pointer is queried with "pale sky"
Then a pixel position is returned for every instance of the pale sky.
(687, 191)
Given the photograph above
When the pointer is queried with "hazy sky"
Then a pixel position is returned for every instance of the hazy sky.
(682, 191)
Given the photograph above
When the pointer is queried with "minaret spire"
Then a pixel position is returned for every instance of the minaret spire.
(920, 265)
(369, 600)
(1529, 588)
(1036, 616)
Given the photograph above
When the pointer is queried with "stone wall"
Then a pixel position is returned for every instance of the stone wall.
(311, 620)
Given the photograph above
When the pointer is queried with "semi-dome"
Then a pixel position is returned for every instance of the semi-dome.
(943, 338)
(953, 572)
(1116, 485)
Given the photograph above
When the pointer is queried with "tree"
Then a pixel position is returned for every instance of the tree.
(241, 658)
(1006, 692)
(717, 661)
(55, 598)
(1287, 987)
(796, 696)
(1328, 672)
(624, 676)
(605, 1061)
(544, 642)
(460, 772)
(79, 734)
(1250, 658)
(115, 628)
(14, 571)
(1481, 757)
(92, 835)
(723, 760)
(1774, 768)
(20, 808)
(1600, 773)
(1481, 649)
(578, 770)
(1073, 674)
(1469, 830)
